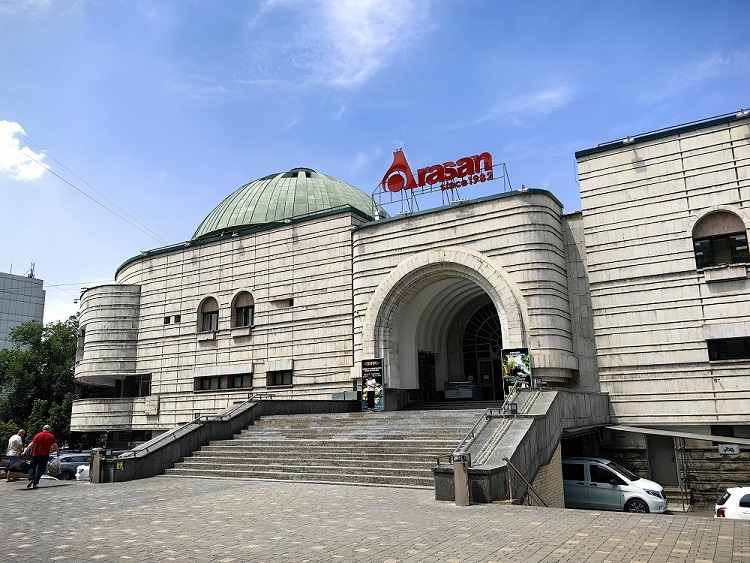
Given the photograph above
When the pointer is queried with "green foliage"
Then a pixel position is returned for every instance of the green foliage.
(37, 377)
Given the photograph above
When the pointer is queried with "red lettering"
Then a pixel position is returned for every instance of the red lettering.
(465, 166)
(484, 158)
(450, 170)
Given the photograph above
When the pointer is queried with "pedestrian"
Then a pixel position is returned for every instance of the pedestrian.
(15, 449)
(39, 448)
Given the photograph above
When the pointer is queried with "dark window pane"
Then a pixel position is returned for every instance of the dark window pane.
(573, 471)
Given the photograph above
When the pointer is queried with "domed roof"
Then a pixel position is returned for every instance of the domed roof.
(276, 197)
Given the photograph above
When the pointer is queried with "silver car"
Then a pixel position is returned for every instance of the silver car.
(591, 482)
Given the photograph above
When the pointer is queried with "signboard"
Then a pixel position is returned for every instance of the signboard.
(373, 397)
(516, 367)
(400, 183)
(729, 449)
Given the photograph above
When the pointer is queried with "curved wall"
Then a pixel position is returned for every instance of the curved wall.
(108, 333)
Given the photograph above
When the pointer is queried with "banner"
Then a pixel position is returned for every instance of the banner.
(373, 397)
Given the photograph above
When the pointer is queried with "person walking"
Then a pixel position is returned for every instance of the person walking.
(39, 448)
(15, 449)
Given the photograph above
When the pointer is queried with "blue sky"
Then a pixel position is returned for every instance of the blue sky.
(158, 110)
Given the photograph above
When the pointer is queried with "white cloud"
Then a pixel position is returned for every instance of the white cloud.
(362, 36)
(340, 43)
(530, 104)
(27, 8)
(20, 163)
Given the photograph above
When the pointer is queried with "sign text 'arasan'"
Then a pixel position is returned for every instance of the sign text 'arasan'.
(449, 175)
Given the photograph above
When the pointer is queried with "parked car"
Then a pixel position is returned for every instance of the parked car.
(65, 467)
(734, 503)
(591, 482)
(82, 473)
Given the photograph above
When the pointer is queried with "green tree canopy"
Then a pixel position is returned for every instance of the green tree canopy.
(36, 376)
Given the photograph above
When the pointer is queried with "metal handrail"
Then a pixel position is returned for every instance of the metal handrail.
(170, 435)
(529, 488)
(485, 416)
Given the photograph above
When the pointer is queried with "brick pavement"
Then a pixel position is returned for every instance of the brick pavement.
(197, 520)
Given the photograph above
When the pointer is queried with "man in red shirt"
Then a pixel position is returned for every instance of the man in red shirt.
(40, 447)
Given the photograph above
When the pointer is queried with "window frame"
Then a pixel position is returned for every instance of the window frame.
(719, 349)
(283, 375)
(738, 253)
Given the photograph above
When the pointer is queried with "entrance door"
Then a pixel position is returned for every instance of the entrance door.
(426, 363)
(661, 460)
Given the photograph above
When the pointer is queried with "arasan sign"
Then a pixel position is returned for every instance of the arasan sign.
(449, 175)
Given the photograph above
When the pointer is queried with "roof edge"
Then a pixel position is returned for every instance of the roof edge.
(666, 132)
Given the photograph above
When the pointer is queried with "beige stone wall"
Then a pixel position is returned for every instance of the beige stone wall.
(548, 483)
(509, 247)
(652, 309)
(308, 262)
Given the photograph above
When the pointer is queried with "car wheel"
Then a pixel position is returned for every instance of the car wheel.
(67, 475)
(636, 505)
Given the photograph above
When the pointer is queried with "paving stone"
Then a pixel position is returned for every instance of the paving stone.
(202, 520)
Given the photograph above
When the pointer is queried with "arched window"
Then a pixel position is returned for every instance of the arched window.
(243, 310)
(208, 316)
(719, 239)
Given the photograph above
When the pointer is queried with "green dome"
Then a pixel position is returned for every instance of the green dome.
(281, 196)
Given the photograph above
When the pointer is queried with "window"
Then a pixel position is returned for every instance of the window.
(245, 380)
(729, 349)
(723, 250)
(720, 239)
(244, 310)
(81, 343)
(745, 501)
(167, 320)
(144, 386)
(279, 378)
(177, 318)
(210, 383)
(209, 315)
(601, 475)
(572, 471)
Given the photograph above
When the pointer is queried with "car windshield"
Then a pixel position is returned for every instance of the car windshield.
(622, 471)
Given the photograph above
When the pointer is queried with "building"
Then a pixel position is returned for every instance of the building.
(21, 301)
(296, 278)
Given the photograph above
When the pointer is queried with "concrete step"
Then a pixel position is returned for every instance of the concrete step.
(397, 449)
(359, 478)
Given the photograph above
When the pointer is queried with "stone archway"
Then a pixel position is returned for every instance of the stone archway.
(421, 294)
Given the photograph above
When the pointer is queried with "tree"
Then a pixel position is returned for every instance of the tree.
(37, 378)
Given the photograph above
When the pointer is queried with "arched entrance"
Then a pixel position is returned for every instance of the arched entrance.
(442, 317)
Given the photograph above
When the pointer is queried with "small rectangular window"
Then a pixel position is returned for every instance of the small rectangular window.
(167, 320)
(144, 388)
(729, 349)
(210, 383)
(721, 251)
(279, 378)
(210, 321)
(177, 318)
(245, 380)
(244, 316)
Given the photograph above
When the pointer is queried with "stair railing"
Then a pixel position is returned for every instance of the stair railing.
(525, 492)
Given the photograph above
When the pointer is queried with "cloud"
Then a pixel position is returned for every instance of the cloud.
(530, 104)
(339, 43)
(20, 163)
(24, 8)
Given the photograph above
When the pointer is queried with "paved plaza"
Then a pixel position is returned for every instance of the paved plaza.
(179, 519)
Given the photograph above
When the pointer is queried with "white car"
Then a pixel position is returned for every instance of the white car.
(82, 473)
(734, 503)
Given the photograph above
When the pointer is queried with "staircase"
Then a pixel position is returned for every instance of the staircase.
(388, 448)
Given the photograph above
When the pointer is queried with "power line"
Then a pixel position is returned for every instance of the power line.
(145, 230)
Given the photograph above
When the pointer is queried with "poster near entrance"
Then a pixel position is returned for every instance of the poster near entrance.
(373, 397)
(516, 368)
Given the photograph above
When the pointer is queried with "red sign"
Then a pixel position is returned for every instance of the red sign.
(449, 175)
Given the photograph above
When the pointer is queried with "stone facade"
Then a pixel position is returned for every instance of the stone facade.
(653, 310)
